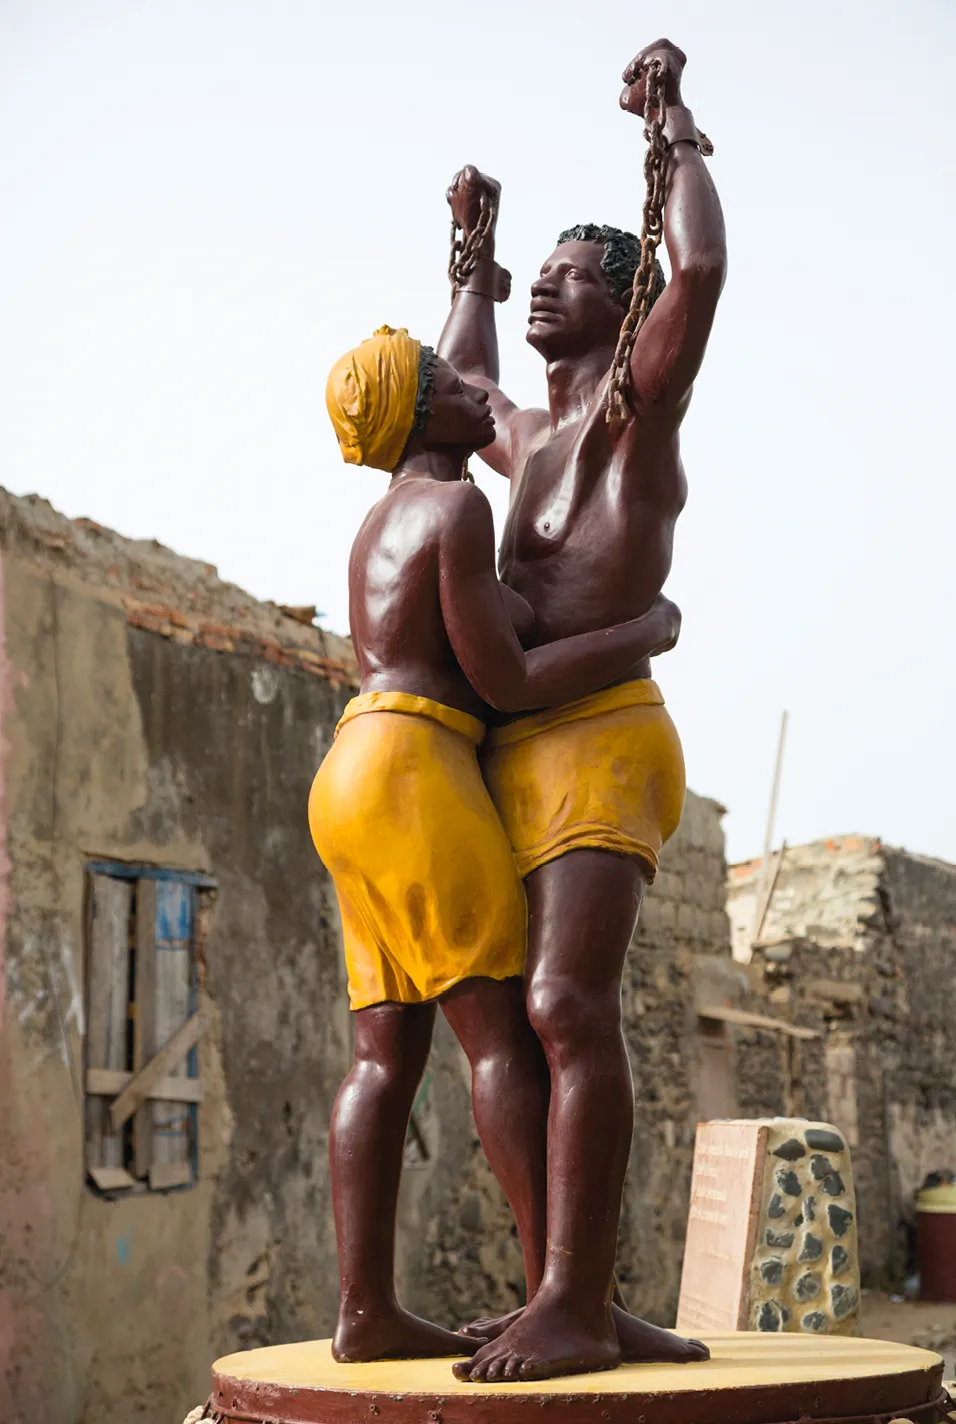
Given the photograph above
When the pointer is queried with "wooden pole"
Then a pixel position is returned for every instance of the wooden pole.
(765, 905)
(768, 840)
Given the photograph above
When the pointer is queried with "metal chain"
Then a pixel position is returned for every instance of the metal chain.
(652, 230)
(464, 259)
(465, 251)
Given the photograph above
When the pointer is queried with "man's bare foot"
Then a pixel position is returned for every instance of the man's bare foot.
(394, 1335)
(646, 1344)
(640, 1342)
(546, 1340)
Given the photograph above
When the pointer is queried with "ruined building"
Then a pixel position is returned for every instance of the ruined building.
(858, 948)
(159, 732)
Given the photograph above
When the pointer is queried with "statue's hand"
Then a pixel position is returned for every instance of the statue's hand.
(668, 616)
(671, 60)
(465, 195)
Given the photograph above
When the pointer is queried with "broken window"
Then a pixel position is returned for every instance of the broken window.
(716, 1089)
(142, 1026)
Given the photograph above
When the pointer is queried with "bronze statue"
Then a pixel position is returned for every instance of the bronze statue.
(589, 794)
(432, 906)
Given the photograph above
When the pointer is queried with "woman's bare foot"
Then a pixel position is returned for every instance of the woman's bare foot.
(642, 1343)
(489, 1327)
(394, 1334)
(546, 1340)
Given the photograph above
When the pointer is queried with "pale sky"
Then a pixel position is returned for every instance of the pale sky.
(206, 201)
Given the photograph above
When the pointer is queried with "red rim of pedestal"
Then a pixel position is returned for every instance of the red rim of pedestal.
(914, 1395)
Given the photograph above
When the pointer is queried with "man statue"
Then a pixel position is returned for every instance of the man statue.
(589, 792)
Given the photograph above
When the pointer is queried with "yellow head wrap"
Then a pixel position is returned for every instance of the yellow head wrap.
(371, 394)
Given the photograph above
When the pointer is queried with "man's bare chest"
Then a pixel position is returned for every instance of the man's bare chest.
(563, 495)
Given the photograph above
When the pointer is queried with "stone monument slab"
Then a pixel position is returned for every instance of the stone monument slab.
(725, 1198)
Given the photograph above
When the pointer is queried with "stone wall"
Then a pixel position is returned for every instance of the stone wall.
(859, 945)
(919, 896)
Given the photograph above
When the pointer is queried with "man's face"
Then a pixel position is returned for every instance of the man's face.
(572, 309)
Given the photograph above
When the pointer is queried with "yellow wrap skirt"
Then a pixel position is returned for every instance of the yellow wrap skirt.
(426, 881)
(605, 772)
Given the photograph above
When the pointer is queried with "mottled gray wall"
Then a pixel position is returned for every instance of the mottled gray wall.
(920, 904)
(882, 922)
(763, 1077)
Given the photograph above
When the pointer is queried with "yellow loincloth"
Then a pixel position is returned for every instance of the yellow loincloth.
(426, 880)
(606, 771)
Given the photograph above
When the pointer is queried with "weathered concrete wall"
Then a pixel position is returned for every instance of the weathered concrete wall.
(125, 745)
(192, 747)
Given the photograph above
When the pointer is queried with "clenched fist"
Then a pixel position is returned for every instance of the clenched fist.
(672, 61)
(465, 194)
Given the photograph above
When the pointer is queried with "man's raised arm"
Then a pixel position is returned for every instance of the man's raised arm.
(670, 346)
(469, 341)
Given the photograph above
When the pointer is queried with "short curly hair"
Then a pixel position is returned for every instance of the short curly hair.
(622, 254)
(423, 396)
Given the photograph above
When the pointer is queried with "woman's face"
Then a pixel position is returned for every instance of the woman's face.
(458, 414)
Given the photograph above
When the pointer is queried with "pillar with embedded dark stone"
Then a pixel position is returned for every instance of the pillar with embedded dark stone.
(771, 1234)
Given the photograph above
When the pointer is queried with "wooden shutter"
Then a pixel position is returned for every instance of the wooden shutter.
(144, 1038)
(107, 1021)
(141, 1082)
(169, 1163)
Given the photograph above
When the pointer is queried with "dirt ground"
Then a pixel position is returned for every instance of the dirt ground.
(911, 1322)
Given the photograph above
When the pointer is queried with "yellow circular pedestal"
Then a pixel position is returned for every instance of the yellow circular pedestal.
(749, 1379)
